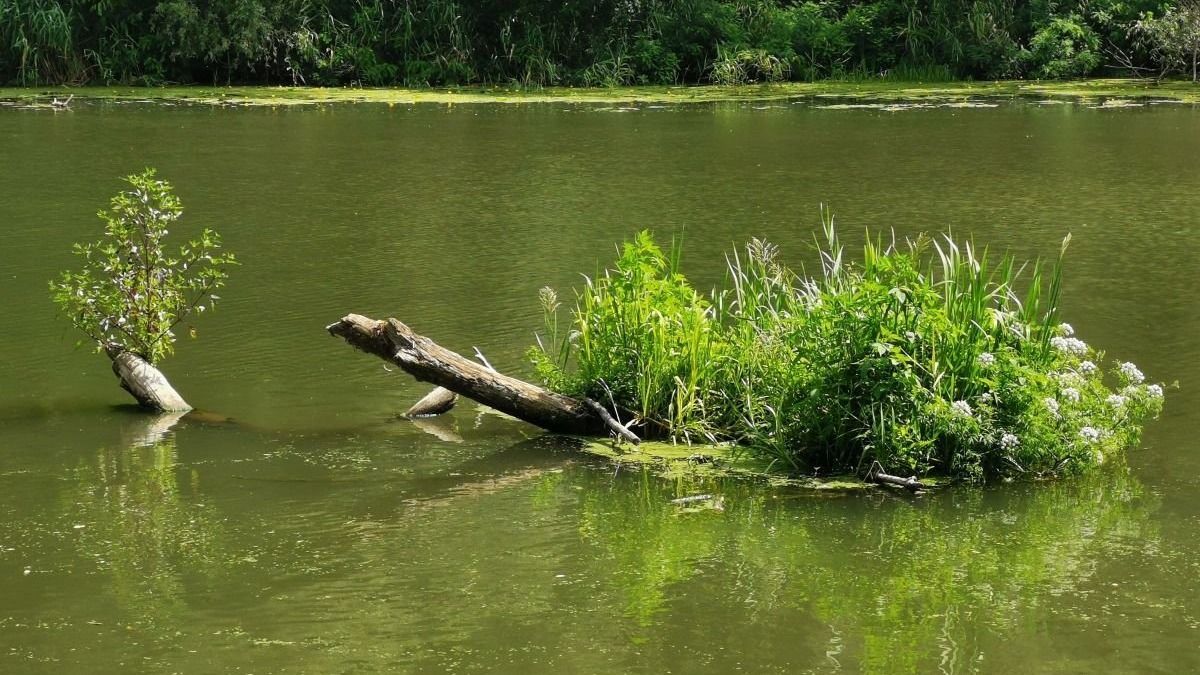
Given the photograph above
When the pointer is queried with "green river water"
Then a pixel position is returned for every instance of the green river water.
(314, 532)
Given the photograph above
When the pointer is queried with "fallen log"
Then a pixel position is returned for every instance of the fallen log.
(427, 361)
(911, 483)
(440, 399)
(143, 381)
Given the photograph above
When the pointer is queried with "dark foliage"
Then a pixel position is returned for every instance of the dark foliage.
(544, 42)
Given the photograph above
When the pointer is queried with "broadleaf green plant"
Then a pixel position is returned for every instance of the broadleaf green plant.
(132, 290)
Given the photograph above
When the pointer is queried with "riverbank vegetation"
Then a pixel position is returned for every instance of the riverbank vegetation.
(923, 356)
(606, 43)
(1093, 91)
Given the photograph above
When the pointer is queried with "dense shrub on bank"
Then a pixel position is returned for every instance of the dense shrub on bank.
(594, 43)
(922, 356)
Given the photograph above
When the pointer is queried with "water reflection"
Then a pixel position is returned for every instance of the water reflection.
(424, 555)
(143, 521)
(507, 563)
(900, 585)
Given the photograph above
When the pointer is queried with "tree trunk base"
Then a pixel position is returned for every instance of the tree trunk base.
(144, 382)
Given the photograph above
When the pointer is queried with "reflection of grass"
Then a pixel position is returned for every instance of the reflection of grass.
(906, 582)
(693, 462)
(142, 528)
(871, 89)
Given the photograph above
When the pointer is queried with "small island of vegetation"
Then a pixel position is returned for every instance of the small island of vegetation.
(923, 357)
(920, 357)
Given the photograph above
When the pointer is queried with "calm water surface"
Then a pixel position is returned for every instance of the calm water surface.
(314, 532)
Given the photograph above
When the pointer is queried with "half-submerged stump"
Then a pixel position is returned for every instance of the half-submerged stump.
(440, 400)
(144, 382)
(427, 361)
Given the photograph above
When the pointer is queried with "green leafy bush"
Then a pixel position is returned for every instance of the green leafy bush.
(923, 356)
(1065, 47)
(132, 291)
(747, 66)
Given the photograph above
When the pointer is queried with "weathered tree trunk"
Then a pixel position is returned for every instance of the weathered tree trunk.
(144, 382)
(425, 360)
(440, 400)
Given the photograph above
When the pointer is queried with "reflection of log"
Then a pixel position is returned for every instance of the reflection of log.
(425, 360)
(146, 383)
(149, 430)
(436, 402)
(439, 428)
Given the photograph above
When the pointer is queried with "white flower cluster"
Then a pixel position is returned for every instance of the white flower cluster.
(1009, 441)
(1132, 373)
(986, 359)
(1154, 390)
(1069, 345)
(1068, 378)
(1089, 434)
(1116, 400)
(1066, 329)
(961, 408)
(1087, 367)
(1051, 405)
(1071, 394)
(986, 397)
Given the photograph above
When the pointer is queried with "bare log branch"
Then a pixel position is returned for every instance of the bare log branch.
(621, 430)
(481, 358)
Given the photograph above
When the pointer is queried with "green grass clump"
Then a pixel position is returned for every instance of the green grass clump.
(923, 356)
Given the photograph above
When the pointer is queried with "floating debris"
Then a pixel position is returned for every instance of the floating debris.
(1110, 104)
(886, 107)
